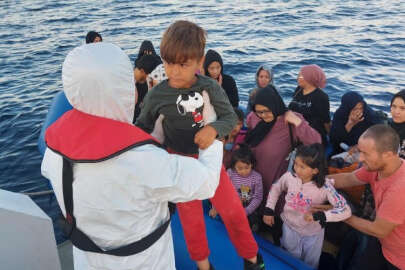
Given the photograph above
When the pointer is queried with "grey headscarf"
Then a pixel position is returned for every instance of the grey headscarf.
(252, 93)
(266, 68)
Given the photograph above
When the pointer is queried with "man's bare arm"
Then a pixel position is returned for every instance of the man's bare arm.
(379, 228)
(343, 180)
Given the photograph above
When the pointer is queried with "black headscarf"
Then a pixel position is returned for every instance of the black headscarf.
(212, 56)
(270, 98)
(399, 127)
(146, 46)
(349, 101)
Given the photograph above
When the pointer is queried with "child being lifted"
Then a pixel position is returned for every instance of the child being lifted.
(184, 101)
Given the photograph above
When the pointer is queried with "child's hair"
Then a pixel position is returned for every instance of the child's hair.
(148, 63)
(240, 114)
(243, 154)
(183, 40)
(313, 156)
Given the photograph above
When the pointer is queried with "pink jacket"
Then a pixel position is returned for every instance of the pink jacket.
(272, 152)
(299, 199)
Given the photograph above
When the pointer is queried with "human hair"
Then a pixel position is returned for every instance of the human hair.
(313, 156)
(148, 63)
(385, 138)
(183, 40)
(243, 154)
(400, 94)
(91, 36)
(239, 114)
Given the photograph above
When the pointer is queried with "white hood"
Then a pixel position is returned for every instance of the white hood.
(98, 79)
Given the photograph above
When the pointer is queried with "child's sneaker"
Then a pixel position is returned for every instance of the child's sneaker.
(259, 265)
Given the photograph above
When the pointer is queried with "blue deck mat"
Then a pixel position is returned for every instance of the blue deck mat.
(223, 255)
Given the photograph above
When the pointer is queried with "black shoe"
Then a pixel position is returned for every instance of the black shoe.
(259, 265)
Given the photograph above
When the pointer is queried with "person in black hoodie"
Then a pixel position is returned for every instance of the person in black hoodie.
(351, 119)
(142, 87)
(214, 68)
(398, 119)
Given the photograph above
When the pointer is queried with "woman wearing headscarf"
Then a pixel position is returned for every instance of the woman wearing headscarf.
(350, 120)
(310, 101)
(214, 68)
(269, 136)
(398, 118)
(270, 139)
(264, 77)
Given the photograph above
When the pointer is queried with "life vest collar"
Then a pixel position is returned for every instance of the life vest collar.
(81, 137)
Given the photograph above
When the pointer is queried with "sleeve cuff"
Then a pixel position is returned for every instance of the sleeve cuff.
(268, 212)
(320, 216)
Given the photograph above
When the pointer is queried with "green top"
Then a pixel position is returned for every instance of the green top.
(182, 110)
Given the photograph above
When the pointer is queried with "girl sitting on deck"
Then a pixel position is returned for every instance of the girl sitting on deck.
(247, 182)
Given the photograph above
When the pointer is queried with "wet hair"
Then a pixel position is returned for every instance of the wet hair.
(148, 63)
(91, 36)
(243, 154)
(313, 155)
(400, 94)
(183, 40)
(386, 139)
(239, 114)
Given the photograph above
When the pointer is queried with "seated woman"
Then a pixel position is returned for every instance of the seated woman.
(351, 119)
(398, 119)
(214, 68)
(310, 101)
(264, 77)
(269, 136)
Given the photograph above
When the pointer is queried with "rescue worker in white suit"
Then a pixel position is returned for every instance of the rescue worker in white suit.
(121, 179)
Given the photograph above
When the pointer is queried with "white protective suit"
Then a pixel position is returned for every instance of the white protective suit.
(123, 199)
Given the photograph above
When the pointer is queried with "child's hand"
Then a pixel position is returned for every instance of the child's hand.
(213, 213)
(269, 220)
(205, 137)
(308, 217)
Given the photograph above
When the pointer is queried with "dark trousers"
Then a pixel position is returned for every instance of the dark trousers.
(361, 251)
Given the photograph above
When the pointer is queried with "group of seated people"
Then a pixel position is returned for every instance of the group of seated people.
(287, 200)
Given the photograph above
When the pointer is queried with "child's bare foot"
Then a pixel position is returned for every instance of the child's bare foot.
(203, 265)
(213, 213)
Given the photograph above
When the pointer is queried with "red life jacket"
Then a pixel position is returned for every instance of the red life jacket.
(83, 138)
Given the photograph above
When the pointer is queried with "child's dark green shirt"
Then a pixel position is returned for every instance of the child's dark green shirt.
(182, 110)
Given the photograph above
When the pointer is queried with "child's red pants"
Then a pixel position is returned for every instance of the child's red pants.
(227, 203)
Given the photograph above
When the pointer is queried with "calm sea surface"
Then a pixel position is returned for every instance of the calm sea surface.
(359, 44)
